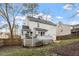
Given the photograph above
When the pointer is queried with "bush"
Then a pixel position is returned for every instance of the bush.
(39, 43)
(65, 37)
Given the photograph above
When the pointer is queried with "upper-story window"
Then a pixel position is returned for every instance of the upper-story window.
(37, 24)
(61, 30)
(28, 35)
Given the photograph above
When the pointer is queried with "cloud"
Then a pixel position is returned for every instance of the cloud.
(76, 4)
(68, 7)
(45, 17)
(19, 20)
(59, 17)
(37, 15)
(74, 22)
(77, 12)
(20, 17)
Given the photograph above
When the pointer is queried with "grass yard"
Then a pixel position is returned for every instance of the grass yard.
(36, 51)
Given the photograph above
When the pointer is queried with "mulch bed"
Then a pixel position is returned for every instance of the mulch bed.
(68, 50)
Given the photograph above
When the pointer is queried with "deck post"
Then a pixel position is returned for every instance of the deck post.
(32, 40)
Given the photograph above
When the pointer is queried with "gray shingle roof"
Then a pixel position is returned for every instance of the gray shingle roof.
(76, 25)
(25, 28)
(41, 21)
(75, 30)
(40, 29)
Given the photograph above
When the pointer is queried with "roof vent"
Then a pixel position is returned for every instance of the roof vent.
(40, 17)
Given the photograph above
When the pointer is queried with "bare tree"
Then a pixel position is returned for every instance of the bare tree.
(30, 8)
(72, 7)
(47, 12)
(9, 12)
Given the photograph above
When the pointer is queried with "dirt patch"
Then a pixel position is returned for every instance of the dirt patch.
(14, 42)
(1, 43)
(10, 42)
(68, 50)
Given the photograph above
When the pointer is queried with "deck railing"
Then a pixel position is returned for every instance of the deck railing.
(46, 37)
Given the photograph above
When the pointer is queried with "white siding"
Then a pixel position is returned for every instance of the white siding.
(32, 25)
(51, 29)
(76, 26)
(62, 30)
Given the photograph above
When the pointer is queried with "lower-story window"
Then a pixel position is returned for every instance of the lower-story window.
(31, 33)
(28, 35)
(42, 33)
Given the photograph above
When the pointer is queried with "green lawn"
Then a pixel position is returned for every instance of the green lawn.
(36, 51)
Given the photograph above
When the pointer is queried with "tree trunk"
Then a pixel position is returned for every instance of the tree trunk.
(11, 31)
(7, 18)
(11, 34)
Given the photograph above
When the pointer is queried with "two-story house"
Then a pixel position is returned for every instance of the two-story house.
(37, 29)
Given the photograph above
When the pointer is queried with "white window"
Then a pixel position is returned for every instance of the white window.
(41, 33)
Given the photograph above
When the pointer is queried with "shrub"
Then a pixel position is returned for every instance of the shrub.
(39, 43)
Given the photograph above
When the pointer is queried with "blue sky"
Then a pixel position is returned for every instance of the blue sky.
(59, 12)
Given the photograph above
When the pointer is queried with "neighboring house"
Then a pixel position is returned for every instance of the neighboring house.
(4, 35)
(63, 29)
(75, 29)
(38, 29)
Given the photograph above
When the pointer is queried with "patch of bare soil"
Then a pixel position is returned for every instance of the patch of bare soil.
(68, 50)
